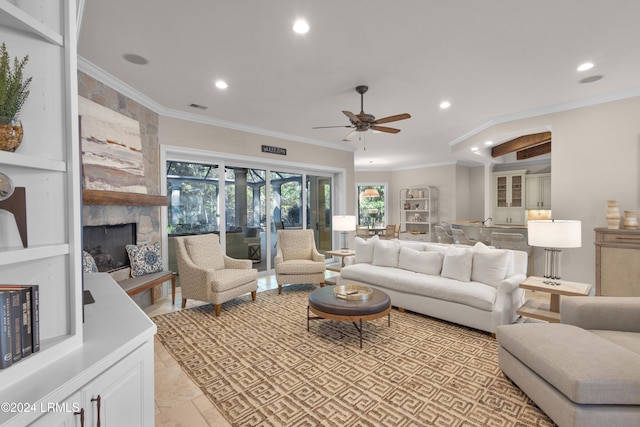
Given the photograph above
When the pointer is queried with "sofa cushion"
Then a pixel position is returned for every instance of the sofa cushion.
(583, 366)
(420, 261)
(480, 247)
(489, 267)
(457, 264)
(473, 294)
(386, 253)
(364, 249)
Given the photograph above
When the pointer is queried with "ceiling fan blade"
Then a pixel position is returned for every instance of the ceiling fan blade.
(385, 129)
(349, 136)
(391, 118)
(352, 116)
(327, 127)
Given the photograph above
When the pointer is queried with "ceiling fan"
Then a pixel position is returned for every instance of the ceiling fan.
(363, 122)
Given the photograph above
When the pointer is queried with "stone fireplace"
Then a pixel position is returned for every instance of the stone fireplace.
(126, 208)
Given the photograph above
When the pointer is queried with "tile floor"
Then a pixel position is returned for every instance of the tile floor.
(179, 402)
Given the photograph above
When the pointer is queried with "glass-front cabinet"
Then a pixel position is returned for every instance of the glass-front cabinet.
(509, 187)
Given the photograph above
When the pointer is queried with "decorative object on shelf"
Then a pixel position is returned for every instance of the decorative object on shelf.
(14, 90)
(552, 235)
(417, 218)
(421, 194)
(613, 214)
(630, 219)
(344, 224)
(13, 221)
(6, 187)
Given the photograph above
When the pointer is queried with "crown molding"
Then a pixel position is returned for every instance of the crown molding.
(550, 109)
(99, 74)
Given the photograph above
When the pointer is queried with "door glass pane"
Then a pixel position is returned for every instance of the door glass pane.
(501, 192)
(516, 191)
(319, 210)
(245, 215)
(286, 203)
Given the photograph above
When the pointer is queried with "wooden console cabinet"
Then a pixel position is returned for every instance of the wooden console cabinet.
(617, 262)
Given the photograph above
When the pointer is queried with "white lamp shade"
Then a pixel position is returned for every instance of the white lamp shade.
(555, 233)
(344, 222)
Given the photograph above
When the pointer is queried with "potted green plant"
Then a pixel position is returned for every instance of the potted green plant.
(14, 90)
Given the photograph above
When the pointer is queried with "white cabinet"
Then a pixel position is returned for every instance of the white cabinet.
(47, 165)
(538, 191)
(114, 365)
(509, 190)
(418, 212)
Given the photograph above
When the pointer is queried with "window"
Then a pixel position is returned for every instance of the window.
(371, 206)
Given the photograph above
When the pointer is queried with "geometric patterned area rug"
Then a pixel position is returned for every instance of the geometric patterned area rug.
(260, 367)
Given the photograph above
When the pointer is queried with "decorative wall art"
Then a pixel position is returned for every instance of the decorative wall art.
(112, 158)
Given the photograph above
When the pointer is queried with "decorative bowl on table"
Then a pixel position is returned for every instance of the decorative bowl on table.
(353, 292)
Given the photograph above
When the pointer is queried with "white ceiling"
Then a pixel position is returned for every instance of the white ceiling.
(489, 58)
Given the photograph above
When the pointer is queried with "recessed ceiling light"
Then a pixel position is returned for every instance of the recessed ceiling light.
(445, 104)
(474, 148)
(586, 66)
(591, 79)
(135, 59)
(221, 84)
(301, 26)
(488, 143)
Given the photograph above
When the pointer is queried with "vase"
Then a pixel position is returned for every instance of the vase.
(10, 134)
(613, 214)
(630, 219)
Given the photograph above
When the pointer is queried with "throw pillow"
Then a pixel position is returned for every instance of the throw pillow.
(88, 263)
(420, 261)
(481, 247)
(386, 253)
(144, 259)
(490, 267)
(364, 249)
(457, 264)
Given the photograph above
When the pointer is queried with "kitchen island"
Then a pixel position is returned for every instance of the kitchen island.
(475, 230)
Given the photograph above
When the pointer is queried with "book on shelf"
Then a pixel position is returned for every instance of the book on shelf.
(5, 330)
(25, 319)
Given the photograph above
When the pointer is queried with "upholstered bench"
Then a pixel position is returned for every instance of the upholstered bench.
(575, 376)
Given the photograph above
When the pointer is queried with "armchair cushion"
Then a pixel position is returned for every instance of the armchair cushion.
(205, 251)
(300, 266)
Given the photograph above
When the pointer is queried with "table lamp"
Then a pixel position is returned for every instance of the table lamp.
(553, 235)
(344, 224)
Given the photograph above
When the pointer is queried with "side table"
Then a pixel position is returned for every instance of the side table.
(549, 312)
(340, 254)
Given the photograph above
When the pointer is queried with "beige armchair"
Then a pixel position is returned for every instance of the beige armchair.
(298, 260)
(206, 274)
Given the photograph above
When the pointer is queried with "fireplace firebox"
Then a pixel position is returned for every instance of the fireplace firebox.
(106, 243)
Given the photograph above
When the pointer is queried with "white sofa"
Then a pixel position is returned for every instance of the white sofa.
(473, 286)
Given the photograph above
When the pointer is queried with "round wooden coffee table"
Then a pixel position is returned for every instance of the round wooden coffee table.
(325, 305)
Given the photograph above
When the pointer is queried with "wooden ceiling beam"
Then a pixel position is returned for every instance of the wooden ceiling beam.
(520, 143)
(537, 150)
